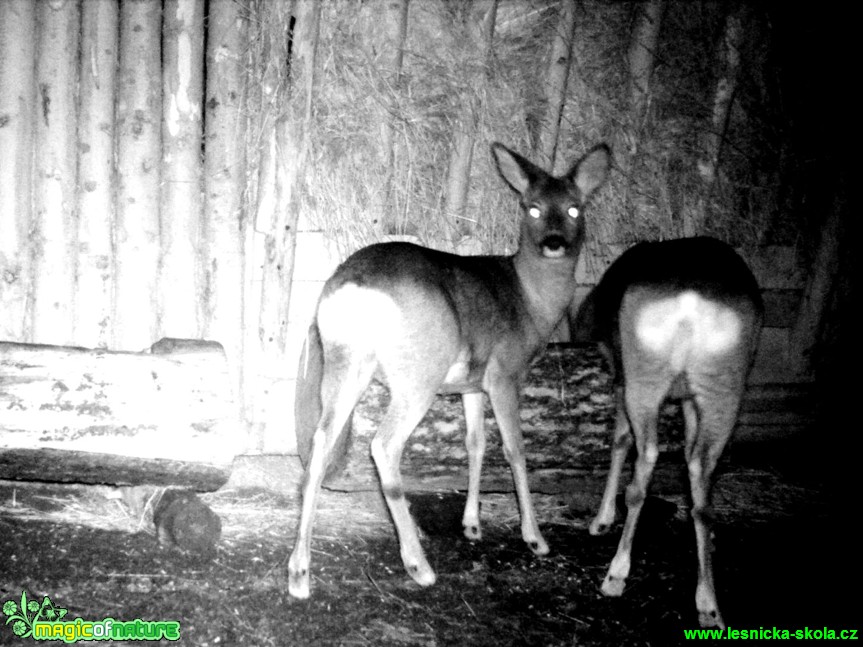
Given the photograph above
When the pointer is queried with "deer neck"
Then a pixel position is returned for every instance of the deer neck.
(548, 286)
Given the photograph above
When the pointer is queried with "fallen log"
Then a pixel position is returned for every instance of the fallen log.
(163, 416)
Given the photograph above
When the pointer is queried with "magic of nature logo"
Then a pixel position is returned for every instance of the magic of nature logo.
(46, 621)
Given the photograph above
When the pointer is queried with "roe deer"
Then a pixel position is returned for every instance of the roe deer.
(428, 321)
(679, 317)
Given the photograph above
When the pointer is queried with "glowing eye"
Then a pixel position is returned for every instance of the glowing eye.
(573, 212)
(534, 212)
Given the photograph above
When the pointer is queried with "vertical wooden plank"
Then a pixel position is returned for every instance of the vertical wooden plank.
(95, 168)
(181, 201)
(55, 227)
(17, 101)
(136, 244)
(224, 182)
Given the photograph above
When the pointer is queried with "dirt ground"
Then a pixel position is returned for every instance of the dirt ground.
(786, 557)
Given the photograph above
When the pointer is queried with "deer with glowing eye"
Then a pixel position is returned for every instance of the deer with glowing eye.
(427, 322)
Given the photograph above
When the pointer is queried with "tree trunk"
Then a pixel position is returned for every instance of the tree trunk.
(642, 54)
(560, 61)
(395, 19)
(274, 55)
(628, 136)
(267, 98)
(282, 166)
(458, 173)
(181, 213)
(95, 170)
(723, 94)
(464, 137)
(814, 306)
(17, 101)
(136, 251)
(54, 193)
(728, 64)
(224, 177)
(291, 149)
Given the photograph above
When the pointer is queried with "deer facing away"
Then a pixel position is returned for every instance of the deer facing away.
(681, 317)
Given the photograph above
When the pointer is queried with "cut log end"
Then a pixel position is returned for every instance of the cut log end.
(184, 521)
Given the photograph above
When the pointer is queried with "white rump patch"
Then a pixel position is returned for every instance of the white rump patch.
(358, 316)
(706, 326)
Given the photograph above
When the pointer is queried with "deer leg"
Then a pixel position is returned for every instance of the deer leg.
(705, 593)
(717, 423)
(503, 394)
(475, 442)
(620, 445)
(340, 389)
(404, 413)
(642, 405)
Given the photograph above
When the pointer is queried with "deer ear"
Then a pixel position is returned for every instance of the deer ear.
(518, 172)
(591, 171)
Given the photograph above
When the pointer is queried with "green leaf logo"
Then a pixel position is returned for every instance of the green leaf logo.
(52, 612)
(22, 616)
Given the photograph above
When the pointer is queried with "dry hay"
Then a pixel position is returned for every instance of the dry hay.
(357, 191)
(353, 184)
(253, 522)
(84, 505)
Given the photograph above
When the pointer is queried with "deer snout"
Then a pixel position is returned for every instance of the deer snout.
(554, 245)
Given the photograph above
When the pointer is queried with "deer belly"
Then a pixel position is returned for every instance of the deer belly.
(687, 325)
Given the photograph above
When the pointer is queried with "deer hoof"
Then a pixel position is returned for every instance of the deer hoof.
(538, 547)
(298, 584)
(473, 532)
(422, 574)
(710, 618)
(613, 586)
(599, 527)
